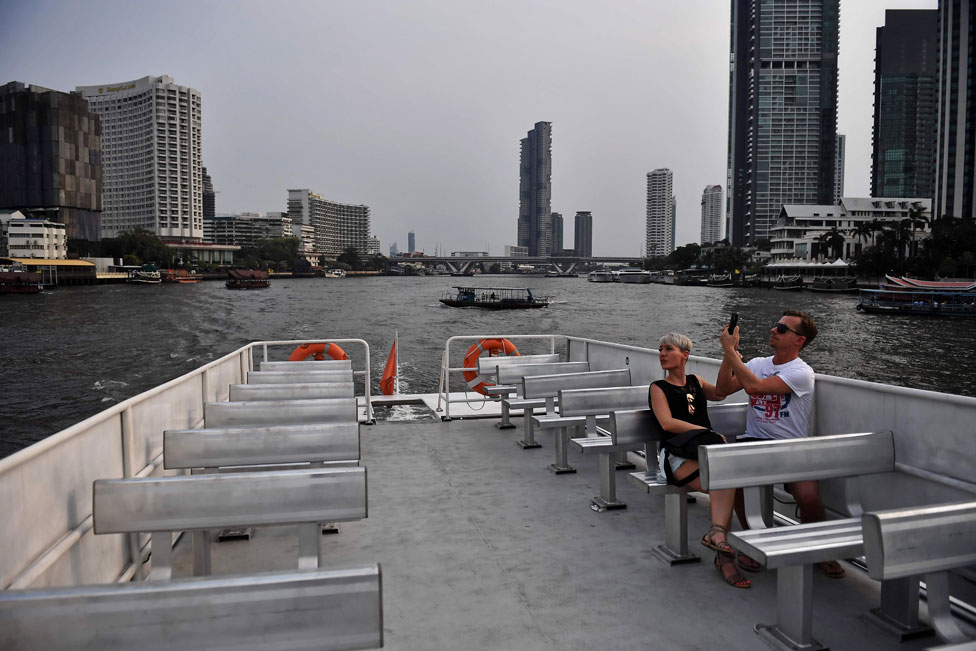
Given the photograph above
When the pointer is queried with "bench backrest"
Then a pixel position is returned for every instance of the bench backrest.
(287, 377)
(919, 540)
(640, 426)
(486, 365)
(312, 365)
(294, 391)
(217, 501)
(215, 448)
(548, 386)
(258, 413)
(765, 463)
(321, 609)
(590, 402)
(513, 373)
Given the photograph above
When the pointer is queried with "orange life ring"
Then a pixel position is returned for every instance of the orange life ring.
(494, 347)
(304, 351)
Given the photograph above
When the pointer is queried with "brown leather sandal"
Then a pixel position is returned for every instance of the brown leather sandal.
(722, 547)
(734, 579)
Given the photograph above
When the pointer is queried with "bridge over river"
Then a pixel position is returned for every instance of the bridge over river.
(561, 264)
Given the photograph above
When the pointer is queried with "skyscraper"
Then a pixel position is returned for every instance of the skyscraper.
(956, 144)
(535, 190)
(905, 99)
(557, 234)
(209, 197)
(840, 153)
(411, 242)
(659, 221)
(583, 234)
(153, 177)
(50, 158)
(782, 110)
(711, 214)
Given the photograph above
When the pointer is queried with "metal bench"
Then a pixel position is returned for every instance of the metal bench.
(294, 391)
(317, 365)
(320, 609)
(904, 544)
(512, 375)
(162, 505)
(488, 368)
(544, 390)
(248, 446)
(258, 413)
(640, 428)
(288, 377)
(579, 409)
(756, 467)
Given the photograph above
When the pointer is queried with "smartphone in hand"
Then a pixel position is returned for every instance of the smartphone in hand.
(733, 321)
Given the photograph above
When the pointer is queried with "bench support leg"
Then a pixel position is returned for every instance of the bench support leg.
(759, 506)
(675, 550)
(308, 545)
(898, 614)
(621, 462)
(201, 553)
(794, 611)
(162, 556)
(937, 585)
(561, 467)
(505, 423)
(607, 500)
(528, 441)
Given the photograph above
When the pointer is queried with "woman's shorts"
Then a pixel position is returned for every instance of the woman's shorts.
(675, 462)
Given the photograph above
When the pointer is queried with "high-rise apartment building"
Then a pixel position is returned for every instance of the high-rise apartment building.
(338, 226)
(246, 229)
(711, 214)
(50, 158)
(905, 101)
(782, 110)
(659, 221)
(151, 158)
(535, 190)
(557, 234)
(583, 234)
(411, 242)
(209, 196)
(840, 154)
(955, 155)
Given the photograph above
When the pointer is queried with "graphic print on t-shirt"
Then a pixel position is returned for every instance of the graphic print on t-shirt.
(771, 407)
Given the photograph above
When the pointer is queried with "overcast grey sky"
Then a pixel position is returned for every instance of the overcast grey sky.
(416, 108)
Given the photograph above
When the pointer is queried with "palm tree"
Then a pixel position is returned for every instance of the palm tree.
(862, 231)
(917, 220)
(832, 242)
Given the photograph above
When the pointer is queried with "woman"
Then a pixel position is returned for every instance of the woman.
(679, 403)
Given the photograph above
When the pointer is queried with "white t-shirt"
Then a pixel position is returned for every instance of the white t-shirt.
(781, 416)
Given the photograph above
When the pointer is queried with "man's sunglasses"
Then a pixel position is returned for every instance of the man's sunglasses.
(782, 328)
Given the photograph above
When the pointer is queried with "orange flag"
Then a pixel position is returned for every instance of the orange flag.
(388, 384)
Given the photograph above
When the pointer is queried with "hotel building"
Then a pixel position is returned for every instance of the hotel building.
(711, 214)
(338, 226)
(659, 221)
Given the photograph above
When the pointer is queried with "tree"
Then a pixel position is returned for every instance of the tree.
(832, 241)
(351, 257)
(683, 256)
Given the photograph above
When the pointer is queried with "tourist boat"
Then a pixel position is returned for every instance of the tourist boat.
(689, 278)
(147, 275)
(16, 281)
(720, 280)
(181, 276)
(891, 283)
(918, 303)
(459, 517)
(835, 285)
(562, 274)
(788, 283)
(336, 273)
(494, 298)
(633, 276)
(247, 279)
(600, 276)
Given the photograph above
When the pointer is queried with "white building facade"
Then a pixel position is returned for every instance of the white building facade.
(795, 235)
(25, 237)
(659, 221)
(246, 229)
(338, 226)
(712, 224)
(151, 157)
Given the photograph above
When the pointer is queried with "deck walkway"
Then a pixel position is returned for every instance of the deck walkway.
(482, 548)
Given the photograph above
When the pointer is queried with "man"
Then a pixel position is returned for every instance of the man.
(780, 391)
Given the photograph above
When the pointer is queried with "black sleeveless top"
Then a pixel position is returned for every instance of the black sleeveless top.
(687, 403)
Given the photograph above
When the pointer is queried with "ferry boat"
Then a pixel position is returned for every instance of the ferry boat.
(788, 283)
(600, 276)
(891, 283)
(494, 298)
(720, 280)
(481, 547)
(834, 285)
(336, 273)
(633, 276)
(247, 279)
(16, 281)
(918, 303)
(181, 276)
(147, 275)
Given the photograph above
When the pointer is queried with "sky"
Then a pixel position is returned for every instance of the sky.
(416, 107)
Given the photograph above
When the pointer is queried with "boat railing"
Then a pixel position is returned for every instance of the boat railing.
(46, 489)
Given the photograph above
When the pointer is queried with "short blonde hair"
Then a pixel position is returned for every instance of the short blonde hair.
(682, 342)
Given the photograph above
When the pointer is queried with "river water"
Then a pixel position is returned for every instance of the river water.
(69, 353)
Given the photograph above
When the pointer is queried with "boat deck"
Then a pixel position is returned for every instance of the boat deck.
(482, 548)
